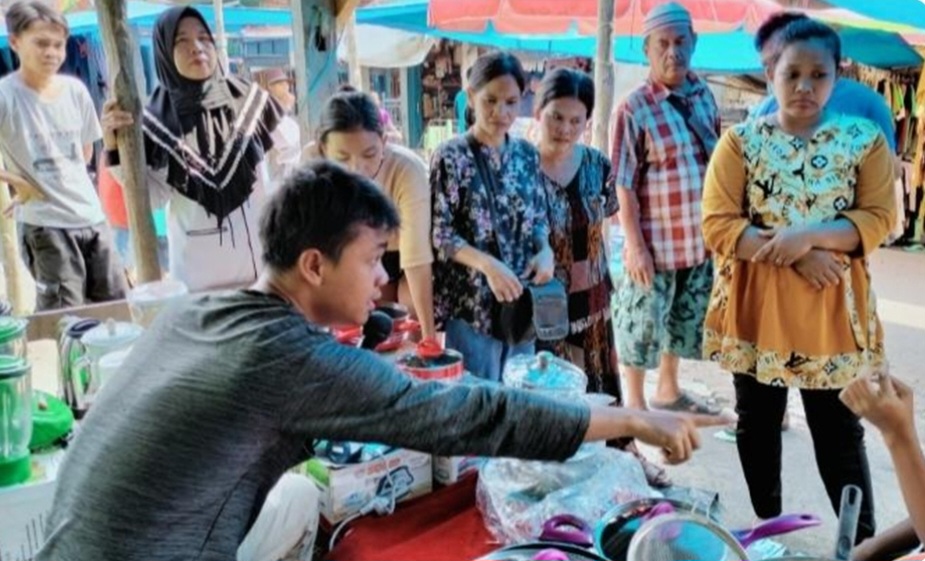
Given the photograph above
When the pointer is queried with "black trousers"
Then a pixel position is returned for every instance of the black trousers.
(73, 266)
(838, 441)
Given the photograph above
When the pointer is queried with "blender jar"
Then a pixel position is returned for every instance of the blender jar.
(13, 336)
(15, 420)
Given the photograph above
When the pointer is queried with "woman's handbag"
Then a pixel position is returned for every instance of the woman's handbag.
(541, 312)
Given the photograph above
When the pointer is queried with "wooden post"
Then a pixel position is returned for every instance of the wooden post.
(603, 76)
(469, 55)
(405, 105)
(119, 46)
(315, 33)
(19, 293)
(353, 59)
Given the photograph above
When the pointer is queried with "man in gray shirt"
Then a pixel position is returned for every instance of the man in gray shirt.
(227, 391)
(48, 126)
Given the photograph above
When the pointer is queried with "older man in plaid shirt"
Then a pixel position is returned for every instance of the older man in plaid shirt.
(664, 133)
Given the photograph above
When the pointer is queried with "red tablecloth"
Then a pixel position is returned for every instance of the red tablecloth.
(442, 526)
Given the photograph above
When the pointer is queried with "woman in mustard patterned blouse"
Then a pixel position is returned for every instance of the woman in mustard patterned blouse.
(793, 203)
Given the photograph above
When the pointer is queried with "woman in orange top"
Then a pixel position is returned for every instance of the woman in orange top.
(352, 134)
(793, 203)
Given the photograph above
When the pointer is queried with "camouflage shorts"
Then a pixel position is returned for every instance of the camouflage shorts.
(668, 318)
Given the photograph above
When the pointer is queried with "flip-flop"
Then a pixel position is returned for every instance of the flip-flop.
(727, 434)
(686, 403)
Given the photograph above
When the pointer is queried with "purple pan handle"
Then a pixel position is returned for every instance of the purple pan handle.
(775, 527)
(566, 528)
(551, 554)
(659, 509)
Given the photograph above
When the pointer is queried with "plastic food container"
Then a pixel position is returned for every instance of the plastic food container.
(146, 301)
(545, 373)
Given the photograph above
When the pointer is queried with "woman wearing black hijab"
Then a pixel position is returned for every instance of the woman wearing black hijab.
(206, 138)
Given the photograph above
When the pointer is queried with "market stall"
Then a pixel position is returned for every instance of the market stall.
(511, 502)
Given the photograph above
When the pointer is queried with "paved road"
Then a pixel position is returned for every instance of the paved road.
(899, 281)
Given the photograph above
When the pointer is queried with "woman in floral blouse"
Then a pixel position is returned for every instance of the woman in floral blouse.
(793, 203)
(488, 241)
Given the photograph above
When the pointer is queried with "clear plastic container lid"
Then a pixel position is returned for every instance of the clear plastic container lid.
(544, 372)
(158, 291)
(112, 334)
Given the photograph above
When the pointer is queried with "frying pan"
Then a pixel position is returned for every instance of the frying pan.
(529, 551)
(615, 530)
(684, 535)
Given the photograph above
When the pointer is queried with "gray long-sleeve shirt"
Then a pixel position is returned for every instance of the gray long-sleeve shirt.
(226, 392)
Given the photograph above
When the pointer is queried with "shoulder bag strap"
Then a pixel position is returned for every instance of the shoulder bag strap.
(489, 181)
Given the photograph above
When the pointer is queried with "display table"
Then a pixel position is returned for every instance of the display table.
(443, 526)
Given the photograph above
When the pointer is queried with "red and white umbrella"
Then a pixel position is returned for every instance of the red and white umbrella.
(551, 17)
(556, 17)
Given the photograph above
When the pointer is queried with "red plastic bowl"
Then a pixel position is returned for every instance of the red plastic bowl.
(448, 367)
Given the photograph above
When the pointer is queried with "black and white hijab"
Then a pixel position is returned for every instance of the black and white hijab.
(210, 135)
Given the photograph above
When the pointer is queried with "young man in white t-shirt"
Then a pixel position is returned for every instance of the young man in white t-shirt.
(48, 125)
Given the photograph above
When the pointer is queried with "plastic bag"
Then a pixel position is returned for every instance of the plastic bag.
(516, 497)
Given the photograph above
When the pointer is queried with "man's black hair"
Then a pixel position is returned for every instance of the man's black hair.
(321, 206)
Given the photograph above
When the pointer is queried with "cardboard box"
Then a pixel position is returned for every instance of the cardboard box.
(346, 489)
(25, 509)
(450, 469)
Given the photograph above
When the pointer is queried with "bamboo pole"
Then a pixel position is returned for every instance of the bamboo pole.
(603, 76)
(119, 46)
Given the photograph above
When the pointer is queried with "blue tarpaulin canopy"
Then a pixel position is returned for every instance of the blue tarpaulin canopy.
(904, 12)
(730, 53)
(144, 14)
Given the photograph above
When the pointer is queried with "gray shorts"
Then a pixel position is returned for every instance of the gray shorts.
(72, 266)
(666, 319)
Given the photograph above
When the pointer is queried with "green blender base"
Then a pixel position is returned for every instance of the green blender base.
(13, 472)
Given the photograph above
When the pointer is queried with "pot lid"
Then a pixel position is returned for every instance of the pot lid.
(112, 334)
(13, 366)
(11, 328)
(545, 372)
